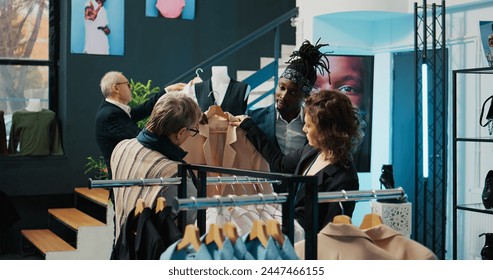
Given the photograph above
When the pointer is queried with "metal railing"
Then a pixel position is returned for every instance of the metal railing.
(262, 75)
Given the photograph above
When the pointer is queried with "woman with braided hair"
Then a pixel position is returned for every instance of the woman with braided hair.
(283, 121)
(333, 127)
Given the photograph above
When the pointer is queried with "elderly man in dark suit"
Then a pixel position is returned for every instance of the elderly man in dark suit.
(115, 120)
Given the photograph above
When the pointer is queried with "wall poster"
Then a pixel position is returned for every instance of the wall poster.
(97, 27)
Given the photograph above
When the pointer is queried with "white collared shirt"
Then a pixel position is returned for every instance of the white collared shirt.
(122, 106)
(290, 136)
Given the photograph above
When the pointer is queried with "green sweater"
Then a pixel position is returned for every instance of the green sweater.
(36, 134)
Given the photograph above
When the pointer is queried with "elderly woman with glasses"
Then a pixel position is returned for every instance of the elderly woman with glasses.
(154, 153)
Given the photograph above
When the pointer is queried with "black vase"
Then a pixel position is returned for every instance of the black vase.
(487, 195)
(487, 251)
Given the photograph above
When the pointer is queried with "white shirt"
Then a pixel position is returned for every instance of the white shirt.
(290, 136)
(122, 106)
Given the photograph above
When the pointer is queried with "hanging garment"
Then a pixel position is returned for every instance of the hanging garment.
(124, 248)
(344, 242)
(399, 246)
(35, 133)
(165, 224)
(259, 252)
(286, 250)
(236, 251)
(234, 101)
(187, 253)
(219, 144)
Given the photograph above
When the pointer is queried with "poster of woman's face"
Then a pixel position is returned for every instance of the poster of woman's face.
(97, 27)
(353, 75)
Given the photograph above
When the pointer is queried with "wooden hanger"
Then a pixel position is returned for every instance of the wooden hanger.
(190, 237)
(160, 204)
(274, 230)
(371, 220)
(230, 231)
(139, 206)
(258, 231)
(342, 219)
(216, 110)
(215, 235)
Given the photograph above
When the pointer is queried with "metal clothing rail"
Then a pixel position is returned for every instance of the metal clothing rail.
(176, 181)
(342, 196)
(191, 203)
(180, 204)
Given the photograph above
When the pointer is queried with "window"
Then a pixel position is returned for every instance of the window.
(28, 54)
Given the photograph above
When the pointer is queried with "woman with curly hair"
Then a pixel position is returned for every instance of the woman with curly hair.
(333, 128)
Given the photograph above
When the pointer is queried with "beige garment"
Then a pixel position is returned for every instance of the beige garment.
(220, 144)
(399, 246)
(344, 242)
(131, 160)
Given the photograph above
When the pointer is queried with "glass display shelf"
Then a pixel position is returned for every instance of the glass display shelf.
(475, 207)
(472, 139)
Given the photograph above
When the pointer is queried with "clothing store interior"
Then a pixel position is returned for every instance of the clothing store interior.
(246, 130)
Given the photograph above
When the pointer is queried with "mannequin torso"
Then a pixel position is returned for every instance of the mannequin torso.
(34, 105)
(220, 82)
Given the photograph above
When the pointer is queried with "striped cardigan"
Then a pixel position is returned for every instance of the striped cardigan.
(131, 160)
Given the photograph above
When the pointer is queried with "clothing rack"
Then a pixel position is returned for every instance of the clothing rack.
(146, 182)
(285, 191)
(180, 204)
(193, 203)
(287, 186)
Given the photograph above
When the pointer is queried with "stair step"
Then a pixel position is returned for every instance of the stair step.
(46, 241)
(99, 195)
(74, 218)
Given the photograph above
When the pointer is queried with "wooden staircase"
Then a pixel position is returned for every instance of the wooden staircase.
(84, 232)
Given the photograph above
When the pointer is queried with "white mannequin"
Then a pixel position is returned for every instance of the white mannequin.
(220, 82)
(34, 105)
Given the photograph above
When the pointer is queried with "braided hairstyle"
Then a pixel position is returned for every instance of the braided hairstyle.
(303, 65)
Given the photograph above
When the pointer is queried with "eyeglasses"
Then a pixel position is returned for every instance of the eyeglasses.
(194, 131)
(127, 83)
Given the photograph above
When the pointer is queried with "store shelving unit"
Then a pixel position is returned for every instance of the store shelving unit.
(472, 207)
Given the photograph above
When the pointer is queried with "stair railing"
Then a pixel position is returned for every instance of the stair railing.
(259, 77)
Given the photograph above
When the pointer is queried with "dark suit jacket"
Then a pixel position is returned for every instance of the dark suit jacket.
(114, 125)
(333, 177)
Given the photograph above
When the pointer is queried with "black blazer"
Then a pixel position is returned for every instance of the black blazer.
(114, 125)
(333, 177)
